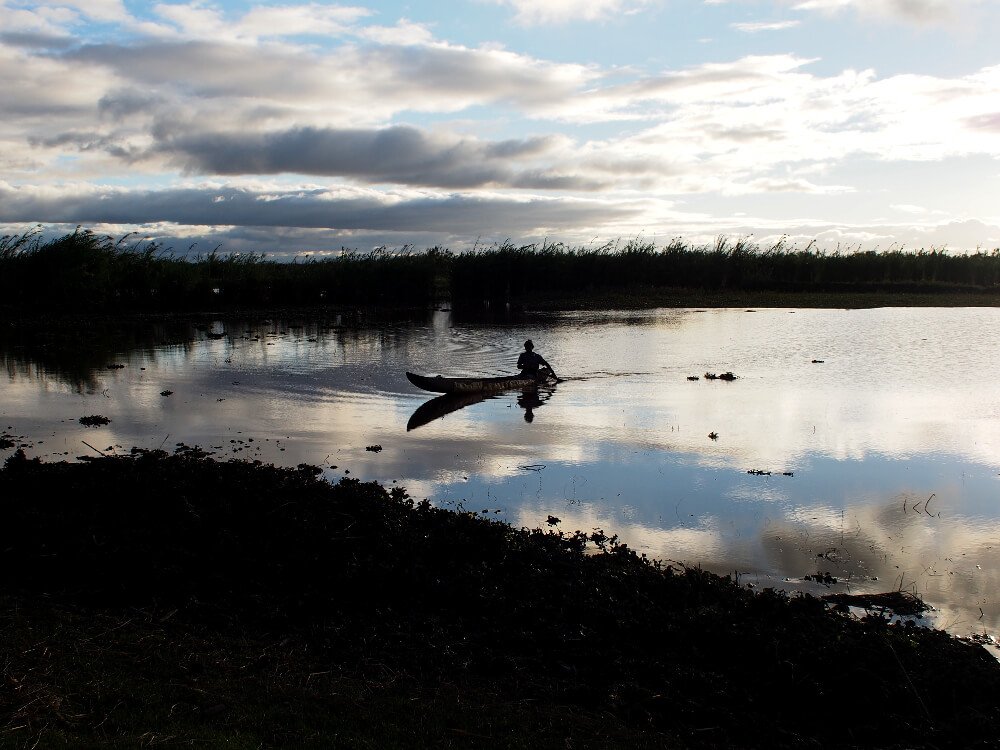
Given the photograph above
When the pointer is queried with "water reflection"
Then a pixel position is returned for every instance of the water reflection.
(892, 451)
(441, 406)
(530, 399)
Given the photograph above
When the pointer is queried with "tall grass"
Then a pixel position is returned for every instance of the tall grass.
(85, 271)
(511, 272)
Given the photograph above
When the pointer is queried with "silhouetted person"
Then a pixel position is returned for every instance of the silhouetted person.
(529, 400)
(530, 362)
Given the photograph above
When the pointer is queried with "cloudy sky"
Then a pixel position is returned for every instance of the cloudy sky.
(289, 127)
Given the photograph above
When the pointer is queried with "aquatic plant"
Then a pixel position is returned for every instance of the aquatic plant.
(511, 272)
(85, 271)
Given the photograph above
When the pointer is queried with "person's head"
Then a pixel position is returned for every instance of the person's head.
(528, 345)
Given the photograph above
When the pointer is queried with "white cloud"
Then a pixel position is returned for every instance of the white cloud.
(532, 12)
(98, 10)
(195, 21)
(403, 33)
(912, 11)
(43, 20)
(909, 209)
(752, 27)
(292, 20)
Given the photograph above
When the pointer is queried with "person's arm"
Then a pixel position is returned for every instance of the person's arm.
(551, 368)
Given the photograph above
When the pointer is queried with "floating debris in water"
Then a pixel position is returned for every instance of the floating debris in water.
(115, 366)
(817, 361)
(983, 639)
(373, 448)
(166, 393)
(94, 420)
(723, 376)
(693, 377)
(713, 435)
(825, 578)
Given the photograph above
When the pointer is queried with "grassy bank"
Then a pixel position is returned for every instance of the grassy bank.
(174, 598)
(85, 272)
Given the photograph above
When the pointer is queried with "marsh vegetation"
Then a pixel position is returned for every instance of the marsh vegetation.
(85, 271)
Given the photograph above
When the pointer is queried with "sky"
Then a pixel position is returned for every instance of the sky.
(292, 127)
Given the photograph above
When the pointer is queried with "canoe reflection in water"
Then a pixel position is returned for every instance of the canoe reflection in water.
(442, 405)
(529, 399)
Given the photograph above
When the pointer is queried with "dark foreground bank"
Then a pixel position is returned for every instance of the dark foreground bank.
(175, 599)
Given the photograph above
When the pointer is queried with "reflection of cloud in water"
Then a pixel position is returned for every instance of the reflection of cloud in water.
(890, 415)
(675, 544)
(775, 426)
(953, 562)
(875, 545)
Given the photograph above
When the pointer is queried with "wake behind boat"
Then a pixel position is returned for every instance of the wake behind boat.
(440, 384)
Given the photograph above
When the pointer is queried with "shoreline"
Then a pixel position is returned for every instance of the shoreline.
(636, 298)
(186, 597)
(686, 298)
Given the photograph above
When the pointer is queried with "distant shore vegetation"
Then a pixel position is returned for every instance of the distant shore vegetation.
(85, 271)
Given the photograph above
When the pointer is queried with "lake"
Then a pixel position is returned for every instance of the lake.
(855, 445)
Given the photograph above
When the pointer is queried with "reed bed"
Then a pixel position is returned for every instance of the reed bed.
(509, 272)
(86, 271)
(89, 272)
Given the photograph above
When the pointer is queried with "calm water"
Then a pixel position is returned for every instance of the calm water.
(884, 456)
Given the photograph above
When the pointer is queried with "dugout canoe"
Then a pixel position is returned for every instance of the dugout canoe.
(440, 384)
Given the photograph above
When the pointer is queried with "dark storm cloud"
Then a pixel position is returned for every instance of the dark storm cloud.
(118, 105)
(309, 209)
(36, 41)
(84, 141)
(205, 68)
(400, 154)
(89, 141)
